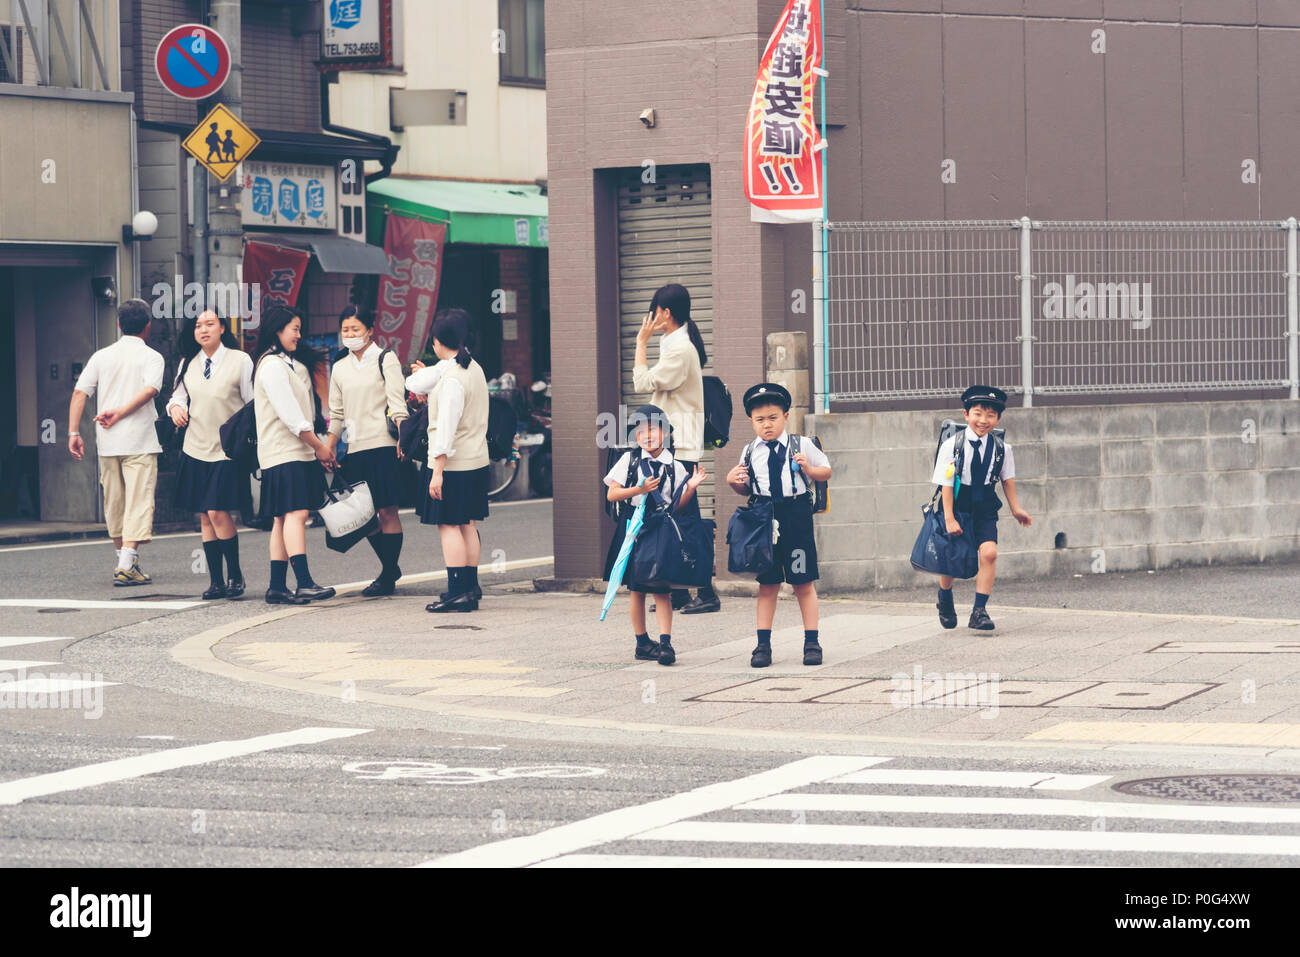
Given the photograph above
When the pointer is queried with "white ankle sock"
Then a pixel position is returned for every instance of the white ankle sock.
(126, 558)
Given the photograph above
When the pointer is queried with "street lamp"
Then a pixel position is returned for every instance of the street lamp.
(142, 227)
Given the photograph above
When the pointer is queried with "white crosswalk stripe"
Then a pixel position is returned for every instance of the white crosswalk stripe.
(867, 821)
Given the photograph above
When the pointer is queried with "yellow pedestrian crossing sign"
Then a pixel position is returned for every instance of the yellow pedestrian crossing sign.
(221, 142)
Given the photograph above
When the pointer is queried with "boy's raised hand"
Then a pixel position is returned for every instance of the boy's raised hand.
(739, 475)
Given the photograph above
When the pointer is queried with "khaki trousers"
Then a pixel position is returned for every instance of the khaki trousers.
(129, 482)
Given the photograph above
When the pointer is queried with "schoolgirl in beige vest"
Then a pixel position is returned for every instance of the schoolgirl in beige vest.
(214, 381)
(363, 396)
(456, 474)
(289, 452)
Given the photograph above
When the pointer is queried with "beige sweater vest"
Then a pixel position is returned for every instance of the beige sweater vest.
(212, 402)
(359, 399)
(276, 445)
(470, 441)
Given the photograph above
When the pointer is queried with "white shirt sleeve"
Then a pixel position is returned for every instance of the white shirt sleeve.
(945, 459)
(816, 457)
(245, 377)
(1008, 463)
(152, 373)
(180, 395)
(424, 381)
(451, 405)
(280, 392)
(618, 474)
(89, 378)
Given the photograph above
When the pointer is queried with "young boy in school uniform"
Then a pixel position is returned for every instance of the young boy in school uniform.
(659, 475)
(977, 497)
(788, 480)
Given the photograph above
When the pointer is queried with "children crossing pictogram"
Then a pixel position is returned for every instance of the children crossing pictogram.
(221, 142)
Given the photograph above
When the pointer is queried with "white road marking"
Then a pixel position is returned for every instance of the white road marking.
(627, 822)
(431, 576)
(107, 772)
(858, 835)
(651, 860)
(1039, 781)
(13, 664)
(1045, 807)
(12, 642)
(89, 605)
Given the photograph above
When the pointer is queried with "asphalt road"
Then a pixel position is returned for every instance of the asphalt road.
(398, 787)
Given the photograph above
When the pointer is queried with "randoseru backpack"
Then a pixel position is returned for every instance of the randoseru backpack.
(951, 427)
(820, 490)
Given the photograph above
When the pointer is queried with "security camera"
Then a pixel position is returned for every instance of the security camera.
(102, 288)
(648, 118)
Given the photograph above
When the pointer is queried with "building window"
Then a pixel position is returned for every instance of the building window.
(523, 51)
(11, 58)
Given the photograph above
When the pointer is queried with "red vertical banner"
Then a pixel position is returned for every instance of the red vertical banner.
(272, 277)
(783, 178)
(408, 297)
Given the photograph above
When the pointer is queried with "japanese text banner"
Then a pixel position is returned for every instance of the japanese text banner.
(273, 275)
(408, 297)
(782, 173)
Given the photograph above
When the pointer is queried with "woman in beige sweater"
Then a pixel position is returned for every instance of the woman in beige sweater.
(676, 384)
(366, 390)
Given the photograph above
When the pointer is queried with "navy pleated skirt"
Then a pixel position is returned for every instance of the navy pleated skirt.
(379, 469)
(207, 486)
(292, 487)
(464, 497)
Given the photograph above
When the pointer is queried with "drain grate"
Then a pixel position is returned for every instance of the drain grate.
(1218, 788)
(55, 611)
(458, 627)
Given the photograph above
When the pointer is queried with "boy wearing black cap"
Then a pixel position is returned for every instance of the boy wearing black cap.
(770, 467)
(652, 471)
(980, 454)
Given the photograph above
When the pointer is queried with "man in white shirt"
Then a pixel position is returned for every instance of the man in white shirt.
(128, 374)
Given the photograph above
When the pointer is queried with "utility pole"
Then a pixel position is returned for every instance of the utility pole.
(225, 229)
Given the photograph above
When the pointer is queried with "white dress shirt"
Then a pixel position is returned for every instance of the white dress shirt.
(451, 405)
(275, 372)
(947, 457)
(121, 372)
(762, 486)
(618, 474)
(181, 396)
(424, 381)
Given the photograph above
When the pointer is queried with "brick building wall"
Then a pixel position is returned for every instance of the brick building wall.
(516, 276)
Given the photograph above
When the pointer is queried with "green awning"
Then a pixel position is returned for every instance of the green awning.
(491, 214)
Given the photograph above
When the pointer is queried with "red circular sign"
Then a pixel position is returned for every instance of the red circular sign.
(192, 61)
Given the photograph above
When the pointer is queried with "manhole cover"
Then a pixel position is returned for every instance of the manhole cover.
(1218, 788)
(55, 611)
(458, 627)
(152, 596)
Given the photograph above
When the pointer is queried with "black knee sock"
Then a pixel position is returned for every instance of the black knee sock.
(471, 571)
(643, 638)
(231, 547)
(394, 551)
(212, 551)
(980, 601)
(810, 636)
(455, 580)
(707, 593)
(279, 572)
(381, 549)
(945, 595)
(300, 572)
(765, 636)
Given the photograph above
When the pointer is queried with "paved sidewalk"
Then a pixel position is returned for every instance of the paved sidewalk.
(1085, 678)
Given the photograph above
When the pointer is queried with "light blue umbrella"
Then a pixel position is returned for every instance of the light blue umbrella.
(624, 552)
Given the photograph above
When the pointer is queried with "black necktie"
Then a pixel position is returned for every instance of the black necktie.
(207, 368)
(775, 458)
(979, 469)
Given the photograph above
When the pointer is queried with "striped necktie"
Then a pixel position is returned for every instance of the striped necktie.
(207, 368)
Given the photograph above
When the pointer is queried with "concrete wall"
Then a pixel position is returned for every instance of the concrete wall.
(1134, 486)
(449, 47)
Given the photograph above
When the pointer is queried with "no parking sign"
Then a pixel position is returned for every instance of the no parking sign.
(192, 61)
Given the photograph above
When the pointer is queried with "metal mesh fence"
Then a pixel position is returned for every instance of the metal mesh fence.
(922, 309)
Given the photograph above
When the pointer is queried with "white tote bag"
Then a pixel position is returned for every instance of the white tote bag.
(349, 516)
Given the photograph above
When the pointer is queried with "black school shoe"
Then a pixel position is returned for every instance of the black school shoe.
(947, 613)
(812, 653)
(666, 654)
(378, 587)
(279, 596)
(214, 592)
(649, 651)
(701, 606)
(235, 588)
(464, 602)
(761, 656)
(314, 593)
(980, 620)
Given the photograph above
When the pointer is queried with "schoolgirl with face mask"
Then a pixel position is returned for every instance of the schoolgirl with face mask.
(366, 391)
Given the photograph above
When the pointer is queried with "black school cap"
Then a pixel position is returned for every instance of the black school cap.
(648, 415)
(767, 393)
(984, 395)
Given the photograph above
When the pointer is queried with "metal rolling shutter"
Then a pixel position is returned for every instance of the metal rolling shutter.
(665, 235)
